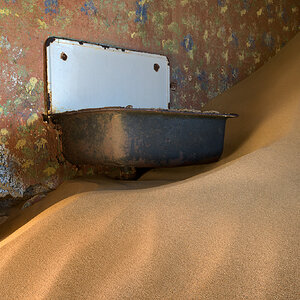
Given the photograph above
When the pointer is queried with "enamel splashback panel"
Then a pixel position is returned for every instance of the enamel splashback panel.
(83, 75)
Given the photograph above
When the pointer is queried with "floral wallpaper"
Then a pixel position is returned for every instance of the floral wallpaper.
(211, 44)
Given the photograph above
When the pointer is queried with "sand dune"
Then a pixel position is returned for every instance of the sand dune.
(228, 230)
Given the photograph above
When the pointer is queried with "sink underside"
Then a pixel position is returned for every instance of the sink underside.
(141, 138)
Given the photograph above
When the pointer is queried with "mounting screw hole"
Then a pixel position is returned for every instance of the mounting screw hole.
(63, 56)
(156, 67)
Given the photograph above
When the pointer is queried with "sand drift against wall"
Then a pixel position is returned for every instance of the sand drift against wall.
(229, 232)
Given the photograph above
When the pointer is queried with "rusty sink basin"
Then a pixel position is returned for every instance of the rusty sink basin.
(141, 138)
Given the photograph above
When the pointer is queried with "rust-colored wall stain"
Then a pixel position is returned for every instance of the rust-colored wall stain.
(211, 44)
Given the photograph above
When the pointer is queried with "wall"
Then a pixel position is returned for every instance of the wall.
(211, 44)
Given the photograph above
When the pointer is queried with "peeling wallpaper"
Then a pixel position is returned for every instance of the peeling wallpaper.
(211, 44)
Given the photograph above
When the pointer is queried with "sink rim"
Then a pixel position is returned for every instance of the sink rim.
(188, 112)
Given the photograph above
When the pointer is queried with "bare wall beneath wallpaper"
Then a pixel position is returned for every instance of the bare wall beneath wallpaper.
(211, 44)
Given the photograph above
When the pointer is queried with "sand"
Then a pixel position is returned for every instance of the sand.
(229, 230)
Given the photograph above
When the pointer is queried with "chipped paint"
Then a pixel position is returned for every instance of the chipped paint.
(170, 46)
(205, 35)
(51, 7)
(4, 131)
(89, 8)
(32, 119)
(31, 85)
(224, 9)
(141, 11)
(50, 171)
(5, 11)
(187, 43)
(259, 12)
(27, 164)
(241, 55)
(42, 24)
(225, 55)
(250, 43)
(10, 184)
(4, 43)
(207, 56)
(20, 144)
(41, 144)
(243, 12)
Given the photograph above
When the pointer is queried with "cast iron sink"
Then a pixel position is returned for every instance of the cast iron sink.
(141, 138)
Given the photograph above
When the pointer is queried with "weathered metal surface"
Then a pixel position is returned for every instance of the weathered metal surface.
(141, 137)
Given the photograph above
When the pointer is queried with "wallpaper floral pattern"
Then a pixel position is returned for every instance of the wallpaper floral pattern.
(211, 44)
